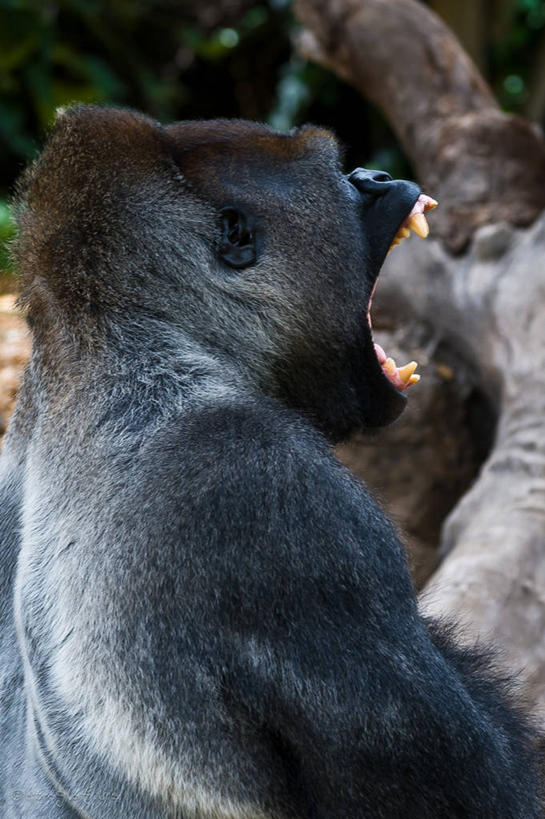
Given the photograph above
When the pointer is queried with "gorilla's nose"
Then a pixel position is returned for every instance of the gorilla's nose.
(373, 183)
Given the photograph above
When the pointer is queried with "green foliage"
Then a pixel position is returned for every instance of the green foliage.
(216, 45)
(168, 59)
(7, 230)
(512, 60)
(129, 52)
(53, 54)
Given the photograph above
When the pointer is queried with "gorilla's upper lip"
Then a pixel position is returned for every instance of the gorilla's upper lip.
(403, 377)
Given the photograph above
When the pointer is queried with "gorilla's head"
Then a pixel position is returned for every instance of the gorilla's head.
(253, 246)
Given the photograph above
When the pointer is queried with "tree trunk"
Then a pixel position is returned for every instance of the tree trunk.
(488, 171)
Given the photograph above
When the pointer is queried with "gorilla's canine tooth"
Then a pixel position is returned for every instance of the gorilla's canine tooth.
(419, 225)
(414, 379)
(407, 371)
(389, 365)
(405, 232)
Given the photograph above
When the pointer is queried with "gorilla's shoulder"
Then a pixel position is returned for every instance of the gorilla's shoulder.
(250, 489)
(253, 425)
(258, 469)
(255, 437)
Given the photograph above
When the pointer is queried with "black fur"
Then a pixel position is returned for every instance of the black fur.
(210, 616)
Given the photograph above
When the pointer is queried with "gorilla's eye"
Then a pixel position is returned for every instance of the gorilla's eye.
(237, 248)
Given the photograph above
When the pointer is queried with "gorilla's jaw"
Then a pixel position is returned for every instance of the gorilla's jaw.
(389, 210)
(352, 384)
(403, 377)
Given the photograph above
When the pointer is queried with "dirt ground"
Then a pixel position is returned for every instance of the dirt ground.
(14, 353)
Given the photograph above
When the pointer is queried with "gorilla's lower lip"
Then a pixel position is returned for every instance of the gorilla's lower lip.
(403, 377)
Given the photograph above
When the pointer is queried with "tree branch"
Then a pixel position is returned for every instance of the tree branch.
(483, 165)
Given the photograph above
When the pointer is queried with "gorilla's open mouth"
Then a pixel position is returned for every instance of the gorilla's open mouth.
(403, 377)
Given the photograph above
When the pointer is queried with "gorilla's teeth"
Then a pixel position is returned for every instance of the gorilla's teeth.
(395, 241)
(389, 365)
(406, 372)
(419, 225)
(416, 221)
(400, 377)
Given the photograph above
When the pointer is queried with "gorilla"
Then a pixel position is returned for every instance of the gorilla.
(204, 614)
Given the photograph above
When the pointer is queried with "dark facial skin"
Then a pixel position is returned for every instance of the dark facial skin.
(266, 185)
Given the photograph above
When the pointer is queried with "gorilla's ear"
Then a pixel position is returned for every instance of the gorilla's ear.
(237, 248)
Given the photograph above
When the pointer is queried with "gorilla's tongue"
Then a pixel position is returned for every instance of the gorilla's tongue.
(403, 377)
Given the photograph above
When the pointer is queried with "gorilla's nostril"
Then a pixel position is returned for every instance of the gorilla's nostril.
(368, 181)
(381, 176)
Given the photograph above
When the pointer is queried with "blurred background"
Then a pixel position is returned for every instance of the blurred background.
(233, 58)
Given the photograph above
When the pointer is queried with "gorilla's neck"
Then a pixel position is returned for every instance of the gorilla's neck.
(158, 357)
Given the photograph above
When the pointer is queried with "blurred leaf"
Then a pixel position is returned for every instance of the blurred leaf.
(38, 82)
(7, 232)
(293, 94)
(254, 18)
(17, 54)
(12, 130)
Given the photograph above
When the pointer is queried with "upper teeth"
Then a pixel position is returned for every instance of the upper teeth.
(419, 225)
(416, 221)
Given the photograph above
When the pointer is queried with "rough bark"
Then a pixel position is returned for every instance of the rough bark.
(486, 306)
(484, 165)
